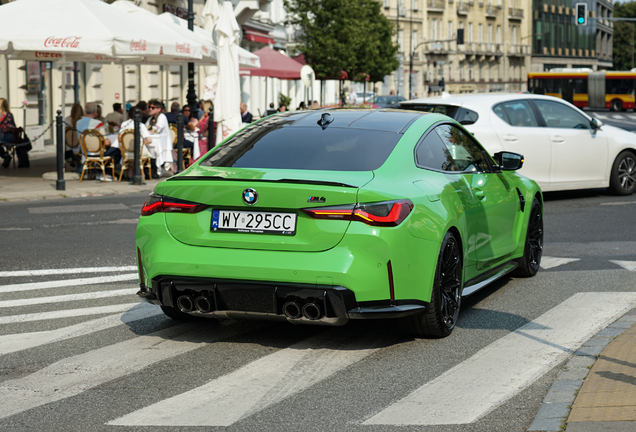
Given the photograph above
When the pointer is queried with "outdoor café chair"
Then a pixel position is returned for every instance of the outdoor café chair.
(93, 147)
(127, 147)
(186, 151)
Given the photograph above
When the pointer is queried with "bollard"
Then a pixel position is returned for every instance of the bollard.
(211, 137)
(137, 138)
(60, 183)
(179, 141)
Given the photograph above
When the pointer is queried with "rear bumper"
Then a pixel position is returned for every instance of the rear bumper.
(267, 300)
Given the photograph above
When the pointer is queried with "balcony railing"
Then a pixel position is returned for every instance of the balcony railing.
(519, 50)
(492, 10)
(463, 8)
(515, 13)
(436, 5)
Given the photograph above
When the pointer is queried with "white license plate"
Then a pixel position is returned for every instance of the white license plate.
(254, 222)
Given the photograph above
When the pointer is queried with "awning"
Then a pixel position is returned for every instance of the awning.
(257, 36)
(274, 65)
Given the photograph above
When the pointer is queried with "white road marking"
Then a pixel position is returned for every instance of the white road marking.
(74, 375)
(551, 262)
(617, 203)
(39, 316)
(264, 382)
(77, 208)
(628, 265)
(18, 342)
(47, 272)
(67, 283)
(505, 367)
(67, 298)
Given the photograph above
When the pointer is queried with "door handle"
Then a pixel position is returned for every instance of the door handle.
(510, 138)
(557, 139)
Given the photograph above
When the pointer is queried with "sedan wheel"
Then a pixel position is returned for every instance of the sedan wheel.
(441, 316)
(623, 177)
(529, 263)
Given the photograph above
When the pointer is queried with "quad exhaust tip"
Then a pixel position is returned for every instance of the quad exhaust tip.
(292, 310)
(185, 303)
(203, 304)
(312, 311)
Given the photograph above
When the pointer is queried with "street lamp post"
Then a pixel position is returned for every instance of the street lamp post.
(191, 96)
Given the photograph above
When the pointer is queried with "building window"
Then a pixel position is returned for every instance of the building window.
(470, 32)
(450, 30)
(414, 39)
(400, 40)
(480, 35)
(498, 34)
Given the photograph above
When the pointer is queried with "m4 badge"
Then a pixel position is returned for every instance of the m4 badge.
(315, 199)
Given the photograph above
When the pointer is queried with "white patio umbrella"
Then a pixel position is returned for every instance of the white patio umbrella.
(227, 111)
(246, 58)
(82, 30)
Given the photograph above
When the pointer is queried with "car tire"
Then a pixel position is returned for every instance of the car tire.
(617, 105)
(623, 176)
(441, 315)
(533, 249)
(176, 314)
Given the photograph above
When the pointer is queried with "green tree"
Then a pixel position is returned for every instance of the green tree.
(352, 36)
(624, 34)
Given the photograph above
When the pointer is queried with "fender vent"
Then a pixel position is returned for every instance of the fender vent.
(522, 200)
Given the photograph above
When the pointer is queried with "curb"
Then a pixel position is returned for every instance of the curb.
(557, 403)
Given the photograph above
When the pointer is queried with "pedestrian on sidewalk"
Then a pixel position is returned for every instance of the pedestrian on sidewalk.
(7, 124)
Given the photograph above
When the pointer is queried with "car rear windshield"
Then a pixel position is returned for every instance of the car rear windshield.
(460, 114)
(305, 148)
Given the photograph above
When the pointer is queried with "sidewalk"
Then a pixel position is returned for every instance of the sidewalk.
(39, 181)
(596, 391)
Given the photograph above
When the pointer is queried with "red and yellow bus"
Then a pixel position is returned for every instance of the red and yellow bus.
(614, 90)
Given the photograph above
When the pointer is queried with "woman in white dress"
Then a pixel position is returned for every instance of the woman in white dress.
(158, 126)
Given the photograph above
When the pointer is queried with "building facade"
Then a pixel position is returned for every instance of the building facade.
(495, 55)
(557, 42)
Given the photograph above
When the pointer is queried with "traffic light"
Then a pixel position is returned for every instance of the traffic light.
(581, 14)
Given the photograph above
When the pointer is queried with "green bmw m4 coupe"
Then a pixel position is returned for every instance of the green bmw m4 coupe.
(319, 217)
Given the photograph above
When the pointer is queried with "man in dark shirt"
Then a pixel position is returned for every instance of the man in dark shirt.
(246, 116)
(172, 115)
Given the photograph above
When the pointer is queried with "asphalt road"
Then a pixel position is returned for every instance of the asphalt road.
(624, 119)
(79, 352)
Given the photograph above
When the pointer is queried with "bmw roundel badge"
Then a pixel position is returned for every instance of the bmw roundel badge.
(250, 196)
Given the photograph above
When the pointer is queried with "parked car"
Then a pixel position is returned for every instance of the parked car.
(319, 217)
(360, 98)
(390, 101)
(564, 147)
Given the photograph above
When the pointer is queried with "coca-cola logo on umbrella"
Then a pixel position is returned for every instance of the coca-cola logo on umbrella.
(65, 42)
(139, 45)
(183, 48)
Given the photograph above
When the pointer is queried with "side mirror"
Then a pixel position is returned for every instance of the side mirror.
(596, 124)
(508, 161)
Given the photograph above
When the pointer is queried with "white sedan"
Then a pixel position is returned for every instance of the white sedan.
(564, 148)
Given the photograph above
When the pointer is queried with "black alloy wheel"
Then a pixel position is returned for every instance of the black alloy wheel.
(623, 176)
(533, 250)
(441, 316)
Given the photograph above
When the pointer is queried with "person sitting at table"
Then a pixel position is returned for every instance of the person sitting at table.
(74, 155)
(100, 117)
(204, 135)
(189, 124)
(90, 121)
(143, 109)
(143, 133)
(172, 115)
(6, 130)
(158, 124)
(114, 119)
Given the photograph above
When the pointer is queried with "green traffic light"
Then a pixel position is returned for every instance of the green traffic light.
(581, 20)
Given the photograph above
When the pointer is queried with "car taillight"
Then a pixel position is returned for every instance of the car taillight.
(162, 204)
(387, 213)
